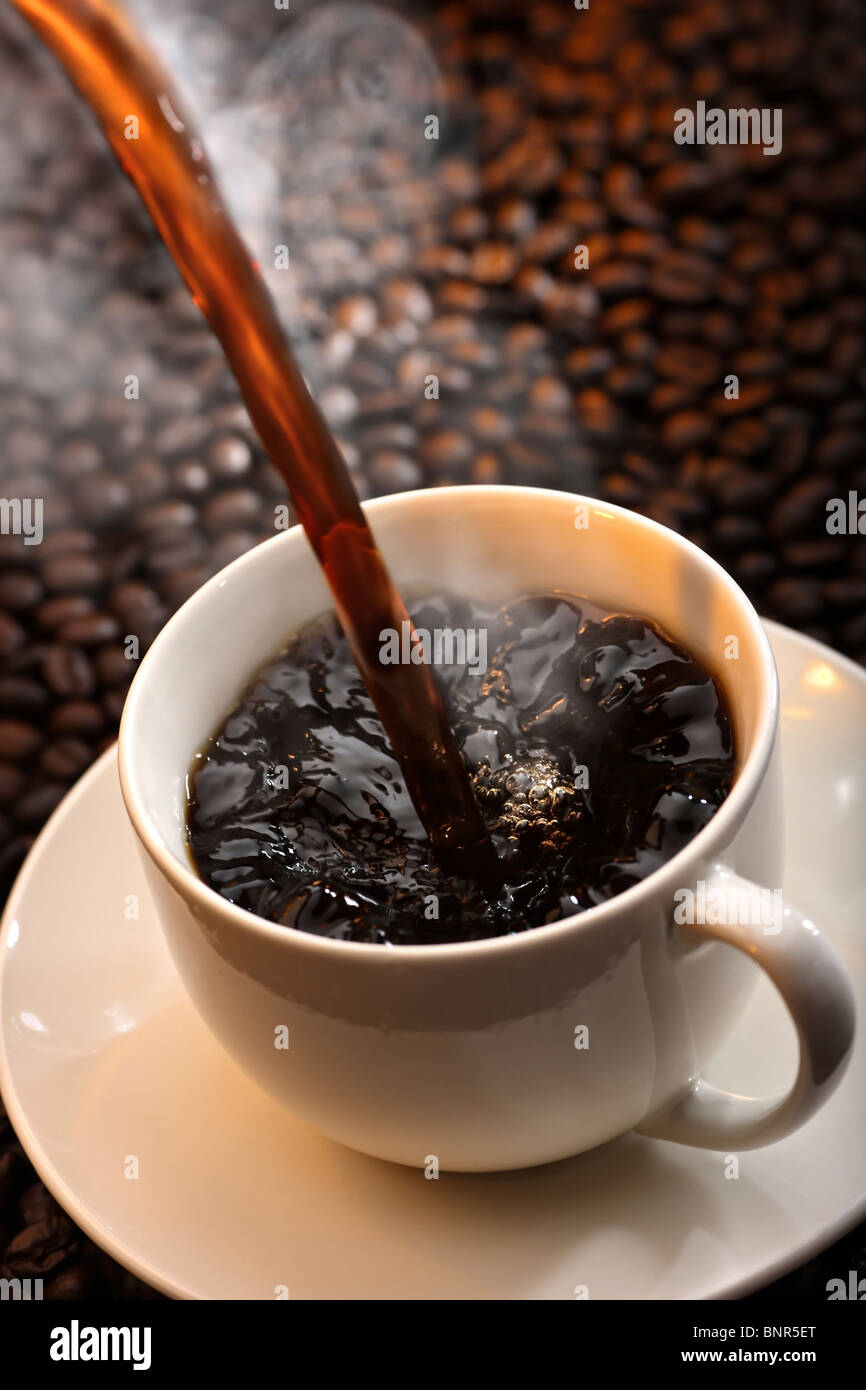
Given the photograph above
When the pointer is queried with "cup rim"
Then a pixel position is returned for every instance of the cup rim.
(718, 831)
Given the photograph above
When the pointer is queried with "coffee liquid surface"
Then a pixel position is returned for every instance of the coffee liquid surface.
(597, 748)
(162, 154)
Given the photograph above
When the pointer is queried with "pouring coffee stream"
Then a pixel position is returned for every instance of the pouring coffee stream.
(158, 148)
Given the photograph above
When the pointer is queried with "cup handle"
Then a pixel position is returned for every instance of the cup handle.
(812, 980)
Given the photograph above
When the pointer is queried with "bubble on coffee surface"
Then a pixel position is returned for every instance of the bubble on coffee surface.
(597, 748)
(534, 803)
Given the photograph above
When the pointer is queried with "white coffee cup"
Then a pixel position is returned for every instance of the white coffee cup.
(524, 1048)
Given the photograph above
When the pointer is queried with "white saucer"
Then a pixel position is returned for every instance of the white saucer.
(102, 1058)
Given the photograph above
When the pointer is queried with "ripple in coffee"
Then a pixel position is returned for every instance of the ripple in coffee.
(597, 747)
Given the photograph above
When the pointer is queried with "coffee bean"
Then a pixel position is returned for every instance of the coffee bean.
(69, 1285)
(357, 314)
(598, 414)
(813, 383)
(720, 329)
(752, 396)
(753, 256)
(11, 782)
(754, 568)
(628, 314)
(396, 434)
(551, 241)
(805, 233)
(19, 590)
(638, 347)
(19, 740)
(406, 298)
(114, 700)
(744, 490)
(102, 498)
(811, 554)
(445, 449)
(803, 507)
(39, 1248)
(790, 452)
(845, 592)
(171, 515)
(840, 449)
(631, 125)
(88, 630)
(683, 277)
(65, 758)
(112, 665)
(828, 273)
(147, 480)
(230, 457)
(625, 491)
(230, 545)
(470, 223)
(681, 184)
(54, 612)
(71, 574)
(679, 323)
(68, 672)
(737, 532)
(180, 584)
(794, 600)
(628, 382)
(26, 447)
(809, 336)
(746, 438)
(190, 477)
(847, 351)
(670, 396)
(699, 234)
(22, 696)
(490, 425)
(78, 457)
(618, 279)
(461, 297)
(181, 436)
(133, 601)
(536, 424)
(235, 507)
(68, 540)
(549, 394)
(170, 548)
(688, 363)
(758, 362)
(643, 468)
(83, 717)
(339, 404)
(687, 506)
(584, 365)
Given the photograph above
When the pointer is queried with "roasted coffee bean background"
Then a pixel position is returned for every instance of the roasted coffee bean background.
(408, 258)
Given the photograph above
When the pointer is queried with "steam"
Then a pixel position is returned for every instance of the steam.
(317, 130)
(315, 121)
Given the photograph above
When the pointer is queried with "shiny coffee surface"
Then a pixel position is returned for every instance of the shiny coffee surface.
(597, 748)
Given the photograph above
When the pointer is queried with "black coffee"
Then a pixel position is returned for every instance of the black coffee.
(598, 748)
